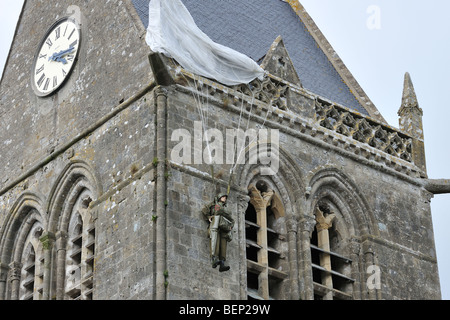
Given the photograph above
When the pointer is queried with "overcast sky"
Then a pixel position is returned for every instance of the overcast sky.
(378, 40)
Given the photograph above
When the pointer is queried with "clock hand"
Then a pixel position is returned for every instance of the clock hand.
(60, 54)
(64, 52)
(58, 57)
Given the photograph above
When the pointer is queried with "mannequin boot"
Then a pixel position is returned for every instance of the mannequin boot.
(223, 267)
(215, 261)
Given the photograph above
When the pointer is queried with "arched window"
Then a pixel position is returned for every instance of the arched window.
(331, 266)
(80, 251)
(265, 258)
(32, 274)
(23, 251)
(73, 257)
(71, 220)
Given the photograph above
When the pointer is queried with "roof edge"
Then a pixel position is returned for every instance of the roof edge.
(139, 25)
(336, 61)
(12, 40)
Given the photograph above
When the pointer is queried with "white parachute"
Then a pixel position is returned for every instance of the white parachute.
(173, 32)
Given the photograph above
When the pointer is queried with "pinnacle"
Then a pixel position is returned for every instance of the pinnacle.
(409, 98)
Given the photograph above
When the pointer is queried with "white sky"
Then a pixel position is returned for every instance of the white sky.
(404, 36)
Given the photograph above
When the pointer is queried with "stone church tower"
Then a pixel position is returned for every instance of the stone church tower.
(93, 204)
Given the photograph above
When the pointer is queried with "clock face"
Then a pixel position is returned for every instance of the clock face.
(56, 57)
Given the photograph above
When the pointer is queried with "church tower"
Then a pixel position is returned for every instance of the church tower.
(109, 153)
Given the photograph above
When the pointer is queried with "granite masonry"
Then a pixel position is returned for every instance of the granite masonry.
(94, 206)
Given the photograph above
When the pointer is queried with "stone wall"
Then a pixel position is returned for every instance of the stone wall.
(383, 208)
(99, 126)
(108, 133)
(106, 73)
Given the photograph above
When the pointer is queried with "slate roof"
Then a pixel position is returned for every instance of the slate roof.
(251, 26)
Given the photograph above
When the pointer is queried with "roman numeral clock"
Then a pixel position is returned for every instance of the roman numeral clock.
(56, 56)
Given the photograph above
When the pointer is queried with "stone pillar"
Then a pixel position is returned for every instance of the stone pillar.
(15, 269)
(161, 95)
(242, 205)
(369, 260)
(260, 201)
(47, 241)
(292, 229)
(306, 227)
(323, 237)
(355, 248)
(61, 245)
(3, 278)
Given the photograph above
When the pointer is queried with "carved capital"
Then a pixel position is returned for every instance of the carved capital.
(47, 240)
(243, 203)
(292, 225)
(260, 200)
(307, 223)
(324, 223)
(14, 271)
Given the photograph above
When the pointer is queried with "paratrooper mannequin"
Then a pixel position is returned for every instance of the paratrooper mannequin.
(220, 229)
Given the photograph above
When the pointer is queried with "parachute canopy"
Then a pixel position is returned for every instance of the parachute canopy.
(173, 32)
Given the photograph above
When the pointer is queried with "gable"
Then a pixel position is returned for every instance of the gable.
(252, 26)
(278, 63)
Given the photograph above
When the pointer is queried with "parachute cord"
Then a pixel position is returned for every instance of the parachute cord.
(204, 116)
(249, 144)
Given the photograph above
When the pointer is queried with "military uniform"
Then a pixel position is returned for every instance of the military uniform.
(219, 237)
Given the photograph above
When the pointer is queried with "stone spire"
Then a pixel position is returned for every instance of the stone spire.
(410, 113)
(411, 123)
(409, 98)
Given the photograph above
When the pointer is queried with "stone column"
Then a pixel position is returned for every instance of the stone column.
(3, 278)
(323, 237)
(260, 201)
(355, 248)
(242, 208)
(61, 245)
(306, 227)
(292, 229)
(369, 260)
(161, 95)
(47, 241)
(15, 269)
